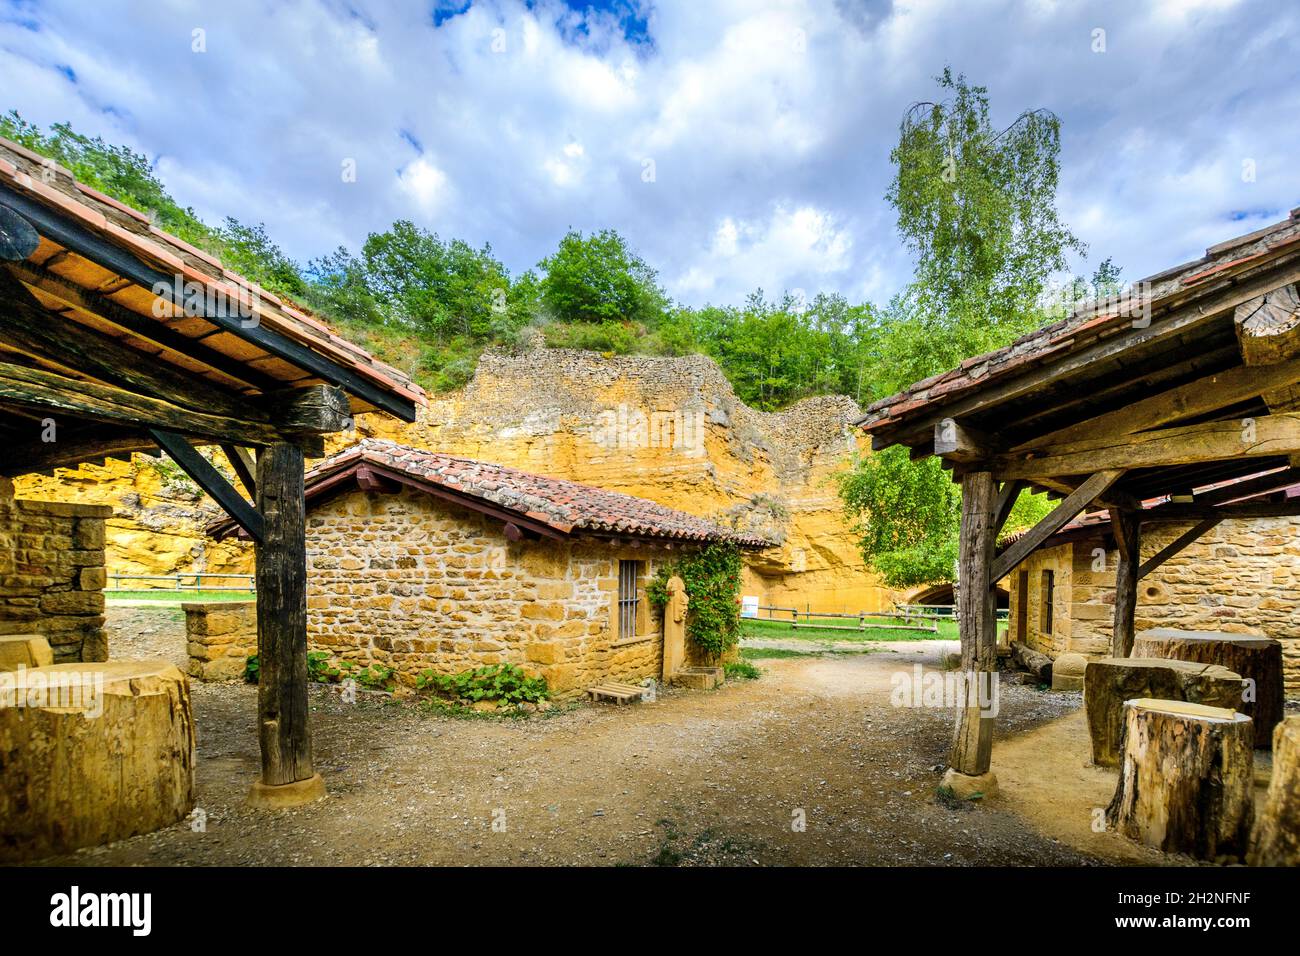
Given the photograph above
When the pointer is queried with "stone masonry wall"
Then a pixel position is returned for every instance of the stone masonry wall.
(219, 637)
(1240, 577)
(416, 583)
(52, 574)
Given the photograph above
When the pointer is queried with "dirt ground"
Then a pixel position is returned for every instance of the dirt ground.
(696, 778)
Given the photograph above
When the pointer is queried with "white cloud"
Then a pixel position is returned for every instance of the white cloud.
(768, 122)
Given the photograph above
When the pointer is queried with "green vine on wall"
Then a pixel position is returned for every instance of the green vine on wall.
(712, 579)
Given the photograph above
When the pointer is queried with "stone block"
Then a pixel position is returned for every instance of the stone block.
(24, 650)
(1067, 671)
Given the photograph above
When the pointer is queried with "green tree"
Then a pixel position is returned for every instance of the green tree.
(977, 207)
(598, 278)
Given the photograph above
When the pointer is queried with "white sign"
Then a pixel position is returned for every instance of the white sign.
(749, 606)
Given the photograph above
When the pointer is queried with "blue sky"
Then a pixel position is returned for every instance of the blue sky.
(736, 144)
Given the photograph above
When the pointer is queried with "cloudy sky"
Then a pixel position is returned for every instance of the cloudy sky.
(736, 143)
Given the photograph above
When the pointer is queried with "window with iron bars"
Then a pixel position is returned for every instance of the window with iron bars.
(629, 600)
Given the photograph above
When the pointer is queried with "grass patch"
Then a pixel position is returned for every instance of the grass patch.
(742, 670)
(756, 627)
(176, 597)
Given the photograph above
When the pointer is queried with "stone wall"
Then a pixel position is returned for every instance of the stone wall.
(1240, 577)
(52, 574)
(219, 637)
(412, 582)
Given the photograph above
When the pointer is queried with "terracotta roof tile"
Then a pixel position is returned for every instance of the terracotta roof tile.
(565, 506)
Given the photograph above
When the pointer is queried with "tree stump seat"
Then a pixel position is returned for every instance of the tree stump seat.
(91, 753)
(1255, 657)
(1110, 681)
(1276, 841)
(1186, 783)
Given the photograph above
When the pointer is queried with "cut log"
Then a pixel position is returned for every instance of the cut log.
(1040, 665)
(1186, 784)
(1268, 327)
(1109, 682)
(1255, 658)
(91, 753)
(1276, 840)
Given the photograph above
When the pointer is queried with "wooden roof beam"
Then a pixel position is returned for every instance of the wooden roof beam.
(1268, 326)
(1061, 515)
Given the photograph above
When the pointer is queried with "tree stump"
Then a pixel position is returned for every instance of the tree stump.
(1276, 841)
(1254, 657)
(1110, 681)
(1186, 784)
(91, 753)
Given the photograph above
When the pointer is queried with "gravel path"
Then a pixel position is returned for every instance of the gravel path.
(696, 778)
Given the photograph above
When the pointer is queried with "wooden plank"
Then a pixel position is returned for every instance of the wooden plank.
(1127, 527)
(163, 335)
(1007, 496)
(312, 410)
(28, 327)
(1268, 327)
(1177, 545)
(41, 389)
(957, 442)
(211, 481)
(1201, 397)
(1059, 517)
(89, 245)
(281, 578)
(1258, 437)
(72, 450)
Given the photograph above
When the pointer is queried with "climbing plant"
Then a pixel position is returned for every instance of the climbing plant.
(712, 579)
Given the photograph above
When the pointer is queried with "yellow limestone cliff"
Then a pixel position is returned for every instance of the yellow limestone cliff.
(668, 429)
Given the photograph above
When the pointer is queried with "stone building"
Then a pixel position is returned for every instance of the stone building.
(1240, 577)
(420, 560)
(52, 574)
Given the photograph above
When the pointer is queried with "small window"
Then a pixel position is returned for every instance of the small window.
(628, 598)
(1046, 598)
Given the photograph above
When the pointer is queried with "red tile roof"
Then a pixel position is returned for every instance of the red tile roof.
(39, 179)
(564, 507)
(1083, 328)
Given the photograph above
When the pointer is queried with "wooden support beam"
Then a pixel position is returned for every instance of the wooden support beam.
(68, 451)
(1060, 516)
(281, 575)
(1007, 496)
(1201, 397)
(955, 442)
(41, 389)
(1268, 326)
(18, 239)
(972, 744)
(143, 327)
(245, 468)
(1259, 437)
(62, 229)
(28, 327)
(1273, 481)
(1177, 545)
(313, 410)
(375, 483)
(1127, 528)
(210, 480)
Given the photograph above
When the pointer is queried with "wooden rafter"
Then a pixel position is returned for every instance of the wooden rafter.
(1061, 515)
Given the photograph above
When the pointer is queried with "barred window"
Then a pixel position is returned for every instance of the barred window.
(628, 599)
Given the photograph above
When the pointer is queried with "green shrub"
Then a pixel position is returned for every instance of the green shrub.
(252, 668)
(741, 670)
(712, 579)
(505, 683)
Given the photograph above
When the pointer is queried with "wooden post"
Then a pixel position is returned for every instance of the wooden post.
(972, 745)
(287, 775)
(1127, 526)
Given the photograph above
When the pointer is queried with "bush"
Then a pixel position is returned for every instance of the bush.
(252, 668)
(712, 579)
(504, 683)
(742, 670)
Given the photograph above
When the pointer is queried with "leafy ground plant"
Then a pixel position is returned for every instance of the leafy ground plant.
(499, 683)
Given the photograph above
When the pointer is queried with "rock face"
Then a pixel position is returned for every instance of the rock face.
(122, 731)
(668, 429)
(1109, 682)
